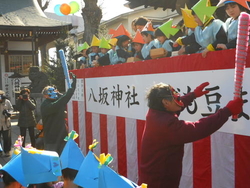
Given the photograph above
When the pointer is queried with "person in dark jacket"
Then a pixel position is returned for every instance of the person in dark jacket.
(26, 106)
(164, 136)
(5, 123)
(53, 117)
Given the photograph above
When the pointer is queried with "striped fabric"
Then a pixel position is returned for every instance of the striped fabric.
(221, 160)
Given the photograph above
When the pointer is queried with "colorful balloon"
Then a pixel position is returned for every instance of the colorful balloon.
(57, 10)
(74, 7)
(65, 9)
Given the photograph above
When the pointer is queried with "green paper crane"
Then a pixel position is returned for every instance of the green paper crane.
(167, 28)
(85, 46)
(104, 44)
(204, 10)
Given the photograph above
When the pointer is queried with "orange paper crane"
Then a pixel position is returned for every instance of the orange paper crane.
(119, 31)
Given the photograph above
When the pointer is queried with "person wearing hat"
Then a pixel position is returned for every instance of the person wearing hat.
(94, 54)
(110, 57)
(233, 10)
(150, 42)
(122, 49)
(112, 52)
(104, 48)
(163, 33)
(207, 34)
(71, 160)
(137, 44)
(53, 116)
(84, 58)
(9, 181)
(164, 136)
(5, 122)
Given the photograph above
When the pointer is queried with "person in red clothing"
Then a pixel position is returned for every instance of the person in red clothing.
(164, 136)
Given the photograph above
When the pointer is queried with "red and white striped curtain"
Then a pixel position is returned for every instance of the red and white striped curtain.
(221, 160)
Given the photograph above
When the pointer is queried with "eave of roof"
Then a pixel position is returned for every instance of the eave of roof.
(171, 4)
(27, 13)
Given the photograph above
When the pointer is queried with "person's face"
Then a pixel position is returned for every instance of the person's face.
(147, 39)
(233, 10)
(84, 52)
(113, 47)
(171, 106)
(161, 39)
(125, 43)
(197, 20)
(26, 93)
(95, 49)
(140, 27)
(104, 50)
(137, 47)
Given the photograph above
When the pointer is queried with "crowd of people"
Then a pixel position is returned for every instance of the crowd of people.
(198, 32)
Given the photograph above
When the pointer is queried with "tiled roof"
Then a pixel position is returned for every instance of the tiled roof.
(25, 13)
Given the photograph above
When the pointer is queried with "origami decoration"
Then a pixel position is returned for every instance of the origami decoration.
(88, 173)
(138, 38)
(95, 41)
(168, 29)
(113, 41)
(104, 44)
(72, 156)
(85, 46)
(110, 179)
(15, 168)
(241, 2)
(188, 18)
(120, 31)
(204, 10)
(40, 166)
(148, 27)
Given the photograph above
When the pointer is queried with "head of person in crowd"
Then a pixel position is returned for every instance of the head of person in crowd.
(188, 20)
(2, 96)
(159, 35)
(122, 35)
(9, 181)
(197, 19)
(123, 41)
(233, 9)
(165, 31)
(71, 160)
(202, 12)
(24, 94)
(148, 33)
(140, 22)
(138, 41)
(112, 43)
(104, 46)
(83, 49)
(95, 44)
(50, 92)
(164, 97)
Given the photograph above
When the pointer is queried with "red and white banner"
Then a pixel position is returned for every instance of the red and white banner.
(109, 105)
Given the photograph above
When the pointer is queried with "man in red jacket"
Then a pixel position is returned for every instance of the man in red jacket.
(164, 135)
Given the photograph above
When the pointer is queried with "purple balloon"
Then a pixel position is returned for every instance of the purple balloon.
(57, 10)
